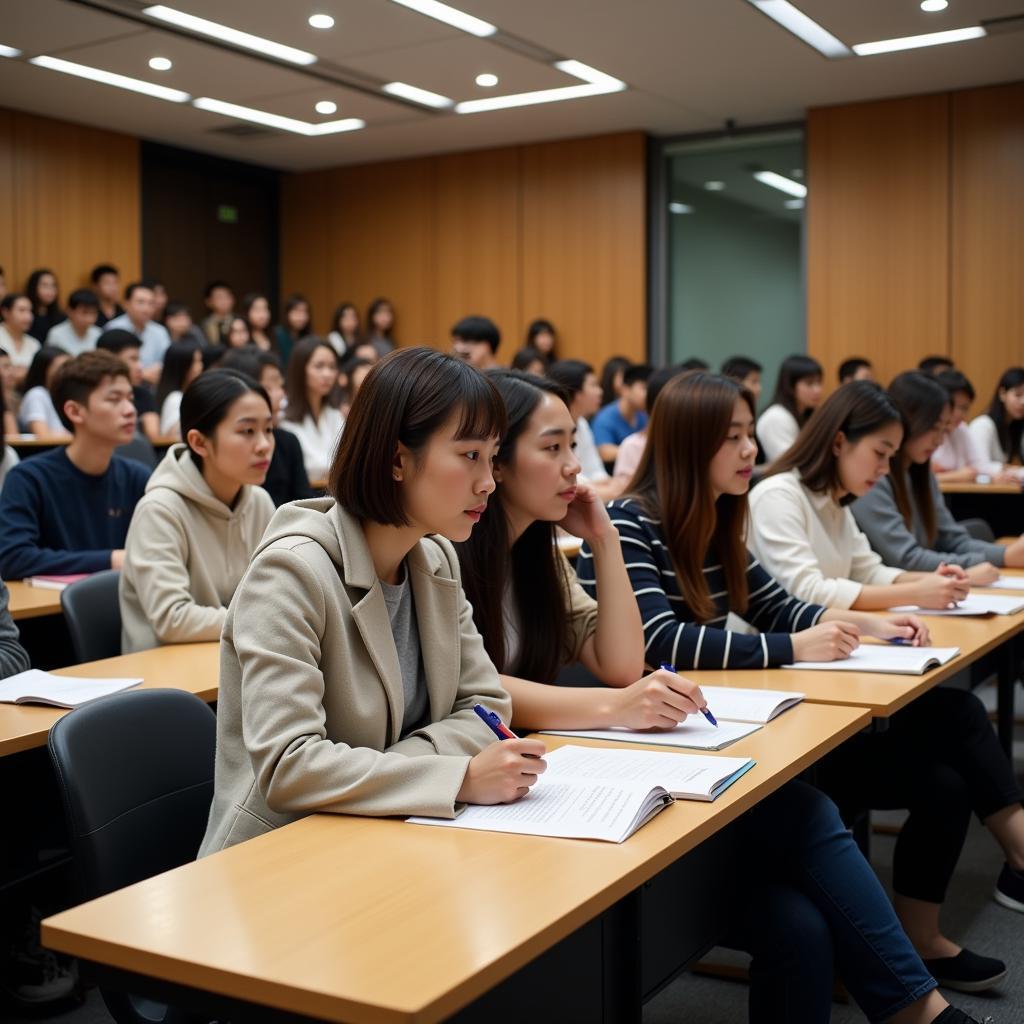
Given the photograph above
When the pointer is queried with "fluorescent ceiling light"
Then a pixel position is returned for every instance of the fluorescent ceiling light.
(230, 35)
(417, 95)
(794, 20)
(597, 84)
(326, 107)
(109, 78)
(956, 35)
(487, 81)
(286, 124)
(9, 51)
(321, 21)
(160, 64)
(782, 183)
(451, 16)
(680, 208)
(934, 5)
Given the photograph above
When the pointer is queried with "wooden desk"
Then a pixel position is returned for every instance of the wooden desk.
(371, 920)
(973, 488)
(32, 602)
(191, 667)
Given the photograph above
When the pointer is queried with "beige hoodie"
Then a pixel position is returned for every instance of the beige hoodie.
(185, 553)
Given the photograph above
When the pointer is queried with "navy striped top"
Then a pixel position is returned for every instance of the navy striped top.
(670, 633)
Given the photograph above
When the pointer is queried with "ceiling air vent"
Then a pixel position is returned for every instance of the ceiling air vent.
(243, 131)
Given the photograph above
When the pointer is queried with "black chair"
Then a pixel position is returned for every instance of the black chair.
(93, 614)
(979, 529)
(135, 772)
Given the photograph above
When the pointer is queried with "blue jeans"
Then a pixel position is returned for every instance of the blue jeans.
(814, 905)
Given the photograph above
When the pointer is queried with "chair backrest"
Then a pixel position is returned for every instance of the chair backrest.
(135, 771)
(93, 614)
(140, 449)
(979, 529)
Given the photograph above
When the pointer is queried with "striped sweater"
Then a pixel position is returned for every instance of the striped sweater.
(670, 633)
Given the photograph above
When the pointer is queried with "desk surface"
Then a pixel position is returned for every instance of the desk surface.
(32, 602)
(191, 667)
(949, 487)
(371, 920)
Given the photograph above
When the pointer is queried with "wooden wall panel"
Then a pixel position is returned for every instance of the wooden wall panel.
(7, 197)
(307, 241)
(988, 234)
(878, 232)
(76, 200)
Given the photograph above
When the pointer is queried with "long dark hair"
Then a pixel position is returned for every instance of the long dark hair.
(293, 302)
(295, 377)
(336, 321)
(177, 362)
(858, 408)
(1010, 432)
(689, 423)
(613, 366)
(32, 291)
(533, 565)
(921, 400)
(370, 329)
(40, 367)
(794, 369)
(207, 399)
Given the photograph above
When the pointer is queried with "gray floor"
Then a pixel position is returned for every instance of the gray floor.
(970, 917)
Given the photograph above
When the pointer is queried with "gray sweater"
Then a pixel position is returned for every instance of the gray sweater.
(879, 517)
(13, 657)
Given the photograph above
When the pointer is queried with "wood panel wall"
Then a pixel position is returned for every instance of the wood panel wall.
(69, 199)
(555, 230)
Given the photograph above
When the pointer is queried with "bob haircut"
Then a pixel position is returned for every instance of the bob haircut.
(857, 409)
(794, 369)
(207, 400)
(406, 398)
(1011, 432)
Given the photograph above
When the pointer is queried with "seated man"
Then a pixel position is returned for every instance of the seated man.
(138, 317)
(126, 346)
(68, 510)
(626, 415)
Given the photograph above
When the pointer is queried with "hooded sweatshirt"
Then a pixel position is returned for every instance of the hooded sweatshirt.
(311, 705)
(185, 553)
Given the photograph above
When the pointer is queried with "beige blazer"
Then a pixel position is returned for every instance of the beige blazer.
(311, 699)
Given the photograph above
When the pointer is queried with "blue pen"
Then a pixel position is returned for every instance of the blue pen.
(494, 723)
(902, 641)
(704, 711)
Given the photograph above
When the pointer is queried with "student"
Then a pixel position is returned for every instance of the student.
(311, 378)
(476, 339)
(632, 449)
(13, 657)
(126, 346)
(178, 322)
(806, 864)
(578, 381)
(106, 284)
(140, 304)
(160, 298)
(8, 423)
(611, 378)
(15, 320)
(855, 369)
(183, 363)
(693, 363)
(934, 365)
(626, 415)
(37, 413)
(296, 324)
(366, 352)
(344, 333)
(220, 301)
(746, 372)
(256, 311)
(43, 292)
(999, 433)
(68, 510)
(939, 757)
(286, 478)
(202, 516)
(8, 456)
(380, 327)
(797, 394)
(904, 516)
(238, 334)
(374, 714)
(351, 374)
(959, 458)
(529, 360)
(541, 335)
(77, 333)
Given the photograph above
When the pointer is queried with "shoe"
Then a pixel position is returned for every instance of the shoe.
(1010, 889)
(967, 971)
(31, 976)
(952, 1015)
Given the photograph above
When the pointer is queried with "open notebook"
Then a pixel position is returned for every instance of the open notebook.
(906, 661)
(973, 604)
(597, 793)
(35, 687)
(56, 582)
(1006, 583)
(735, 704)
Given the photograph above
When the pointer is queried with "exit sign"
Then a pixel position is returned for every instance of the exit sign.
(227, 214)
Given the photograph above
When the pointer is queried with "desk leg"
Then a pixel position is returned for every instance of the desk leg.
(1006, 683)
(620, 957)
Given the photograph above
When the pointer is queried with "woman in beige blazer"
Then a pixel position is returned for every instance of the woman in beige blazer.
(350, 663)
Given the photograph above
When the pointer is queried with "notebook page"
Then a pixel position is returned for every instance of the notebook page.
(885, 658)
(1006, 583)
(39, 687)
(736, 704)
(973, 604)
(695, 733)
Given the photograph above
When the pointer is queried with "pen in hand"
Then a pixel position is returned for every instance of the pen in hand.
(706, 712)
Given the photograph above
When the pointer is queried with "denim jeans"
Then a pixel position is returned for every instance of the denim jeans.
(811, 905)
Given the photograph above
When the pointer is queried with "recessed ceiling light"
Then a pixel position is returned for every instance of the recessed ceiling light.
(287, 124)
(417, 95)
(321, 21)
(714, 186)
(487, 80)
(109, 78)
(934, 5)
(794, 20)
(160, 64)
(793, 204)
(956, 35)
(230, 35)
(597, 84)
(782, 183)
(9, 51)
(326, 107)
(451, 16)
(680, 208)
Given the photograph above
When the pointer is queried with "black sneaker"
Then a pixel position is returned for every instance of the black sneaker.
(967, 971)
(33, 977)
(1010, 889)
(951, 1015)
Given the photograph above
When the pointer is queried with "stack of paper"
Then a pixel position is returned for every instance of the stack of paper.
(973, 604)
